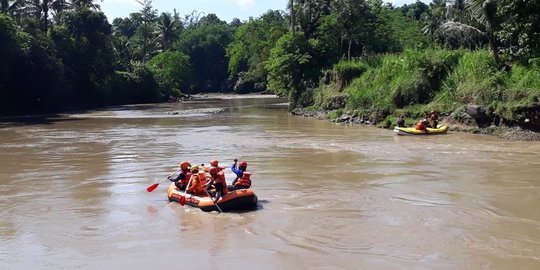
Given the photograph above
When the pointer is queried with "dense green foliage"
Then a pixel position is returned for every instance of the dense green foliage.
(205, 43)
(251, 48)
(362, 54)
(292, 55)
(172, 69)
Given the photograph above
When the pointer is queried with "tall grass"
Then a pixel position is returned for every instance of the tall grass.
(477, 80)
(401, 80)
(415, 82)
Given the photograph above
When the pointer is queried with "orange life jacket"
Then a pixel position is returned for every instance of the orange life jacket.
(244, 182)
(197, 184)
(420, 125)
(221, 179)
(202, 178)
(207, 169)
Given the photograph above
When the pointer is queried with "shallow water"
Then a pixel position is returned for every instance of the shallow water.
(73, 193)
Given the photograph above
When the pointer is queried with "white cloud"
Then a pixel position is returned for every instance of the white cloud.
(125, 2)
(245, 3)
(242, 4)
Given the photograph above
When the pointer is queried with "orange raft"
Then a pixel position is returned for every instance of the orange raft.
(236, 200)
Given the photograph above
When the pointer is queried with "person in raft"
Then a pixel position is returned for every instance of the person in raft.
(401, 121)
(217, 182)
(182, 179)
(242, 180)
(434, 118)
(422, 125)
(197, 185)
(213, 164)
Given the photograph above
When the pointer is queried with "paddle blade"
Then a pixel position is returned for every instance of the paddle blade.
(182, 201)
(152, 187)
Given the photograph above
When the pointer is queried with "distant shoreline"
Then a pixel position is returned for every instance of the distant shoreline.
(232, 96)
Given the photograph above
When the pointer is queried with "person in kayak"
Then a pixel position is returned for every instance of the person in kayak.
(182, 179)
(422, 125)
(242, 180)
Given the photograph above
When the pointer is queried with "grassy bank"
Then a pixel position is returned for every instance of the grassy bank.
(415, 82)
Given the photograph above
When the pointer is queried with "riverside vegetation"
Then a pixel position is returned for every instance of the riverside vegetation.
(475, 61)
(465, 86)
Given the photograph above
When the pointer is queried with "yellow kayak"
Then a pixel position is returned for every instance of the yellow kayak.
(441, 129)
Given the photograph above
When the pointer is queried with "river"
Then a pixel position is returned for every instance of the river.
(73, 193)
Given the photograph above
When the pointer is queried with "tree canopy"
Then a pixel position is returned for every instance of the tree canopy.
(77, 59)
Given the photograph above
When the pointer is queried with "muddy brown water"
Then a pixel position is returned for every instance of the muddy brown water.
(73, 193)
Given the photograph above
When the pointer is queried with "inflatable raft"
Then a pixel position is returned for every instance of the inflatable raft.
(236, 200)
(413, 131)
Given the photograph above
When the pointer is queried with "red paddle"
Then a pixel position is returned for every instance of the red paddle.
(154, 186)
(182, 201)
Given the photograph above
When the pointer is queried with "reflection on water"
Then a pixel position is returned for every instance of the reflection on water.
(73, 193)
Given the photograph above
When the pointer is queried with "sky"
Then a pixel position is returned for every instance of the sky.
(224, 9)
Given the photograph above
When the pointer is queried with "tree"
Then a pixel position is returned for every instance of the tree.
(415, 11)
(308, 14)
(83, 39)
(168, 30)
(292, 70)
(40, 10)
(145, 38)
(251, 48)
(85, 4)
(292, 22)
(11, 7)
(354, 17)
(25, 55)
(10, 53)
(520, 31)
(473, 20)
(205, 42)
(328, 37)
(172, 70)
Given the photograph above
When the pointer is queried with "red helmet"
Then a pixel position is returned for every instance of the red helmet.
(213, 163)
(184, 165)
(242, 164)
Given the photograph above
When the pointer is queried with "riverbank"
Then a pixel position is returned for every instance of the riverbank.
(463, 123)
(456, 123)
(233, 96)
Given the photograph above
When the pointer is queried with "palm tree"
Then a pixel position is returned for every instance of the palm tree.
(11, 6)
(291, 7)
(168, 30)
(86, 3)
(476, 18)
(41, 9)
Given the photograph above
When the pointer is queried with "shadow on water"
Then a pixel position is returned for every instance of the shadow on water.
(17, 121)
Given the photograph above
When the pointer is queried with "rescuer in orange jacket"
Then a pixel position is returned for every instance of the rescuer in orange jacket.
(182, 179)
(198, 181)
(242, 180)
(422, 125)
(218, 181)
